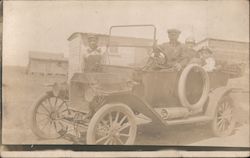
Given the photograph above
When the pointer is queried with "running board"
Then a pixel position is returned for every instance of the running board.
(188, 120)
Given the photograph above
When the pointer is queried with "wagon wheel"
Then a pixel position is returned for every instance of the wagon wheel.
(112, 124)
(224, 122)
(47, 117)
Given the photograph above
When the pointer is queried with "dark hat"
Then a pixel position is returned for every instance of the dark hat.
(174, 31)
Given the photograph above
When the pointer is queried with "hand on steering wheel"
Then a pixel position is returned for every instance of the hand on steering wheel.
(161, 50)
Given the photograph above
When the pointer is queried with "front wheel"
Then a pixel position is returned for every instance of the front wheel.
(224, 122)
(112, 124)
(47, 117)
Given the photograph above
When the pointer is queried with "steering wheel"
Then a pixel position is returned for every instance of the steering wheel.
(163, 51)
(154, 62)
(157, 48)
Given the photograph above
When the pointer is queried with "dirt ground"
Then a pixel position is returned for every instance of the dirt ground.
(20, 91)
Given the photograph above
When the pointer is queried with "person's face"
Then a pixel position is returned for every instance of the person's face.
(173, 36)
(92, 43)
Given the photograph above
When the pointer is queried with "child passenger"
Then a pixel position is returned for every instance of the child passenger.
(207, 59)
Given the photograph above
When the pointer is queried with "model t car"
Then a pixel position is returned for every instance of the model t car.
(122, 97)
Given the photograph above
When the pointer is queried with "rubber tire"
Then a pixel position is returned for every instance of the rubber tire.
(102, 112)
(182, 84)
(233, 121)
(34, 127)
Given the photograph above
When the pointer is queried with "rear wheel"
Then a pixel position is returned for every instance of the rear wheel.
(224, 122)
(112, 124)
(47, 117)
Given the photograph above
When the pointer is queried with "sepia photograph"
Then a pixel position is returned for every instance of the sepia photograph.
(161, 73)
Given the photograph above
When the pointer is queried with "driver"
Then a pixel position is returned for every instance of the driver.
(174, 50)
(93, 57)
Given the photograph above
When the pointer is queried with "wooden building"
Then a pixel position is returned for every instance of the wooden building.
(47, 63)
(226, 50)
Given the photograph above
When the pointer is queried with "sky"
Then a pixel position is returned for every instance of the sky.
(46, 25)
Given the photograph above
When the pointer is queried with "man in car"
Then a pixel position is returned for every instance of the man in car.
(190, 43)
(174, 50)
(192, 55)
(93, 56)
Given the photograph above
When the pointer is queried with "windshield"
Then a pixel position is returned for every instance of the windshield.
(130, 45)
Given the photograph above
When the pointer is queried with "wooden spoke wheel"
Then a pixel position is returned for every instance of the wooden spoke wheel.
(224, 121)
(112, 124)
(47, 117)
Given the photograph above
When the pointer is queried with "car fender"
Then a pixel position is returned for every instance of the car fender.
(49, 93)
(214, 98)
(136, 104)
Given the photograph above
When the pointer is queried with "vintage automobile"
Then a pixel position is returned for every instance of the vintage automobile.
(122, 97)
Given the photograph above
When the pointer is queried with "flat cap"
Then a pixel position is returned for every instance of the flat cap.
(174, 31)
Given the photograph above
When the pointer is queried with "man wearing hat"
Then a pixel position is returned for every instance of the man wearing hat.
(174, 50)
(190, 52)
(93, 57)
(91, 61)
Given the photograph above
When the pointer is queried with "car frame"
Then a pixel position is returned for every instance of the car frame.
(123, 97)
